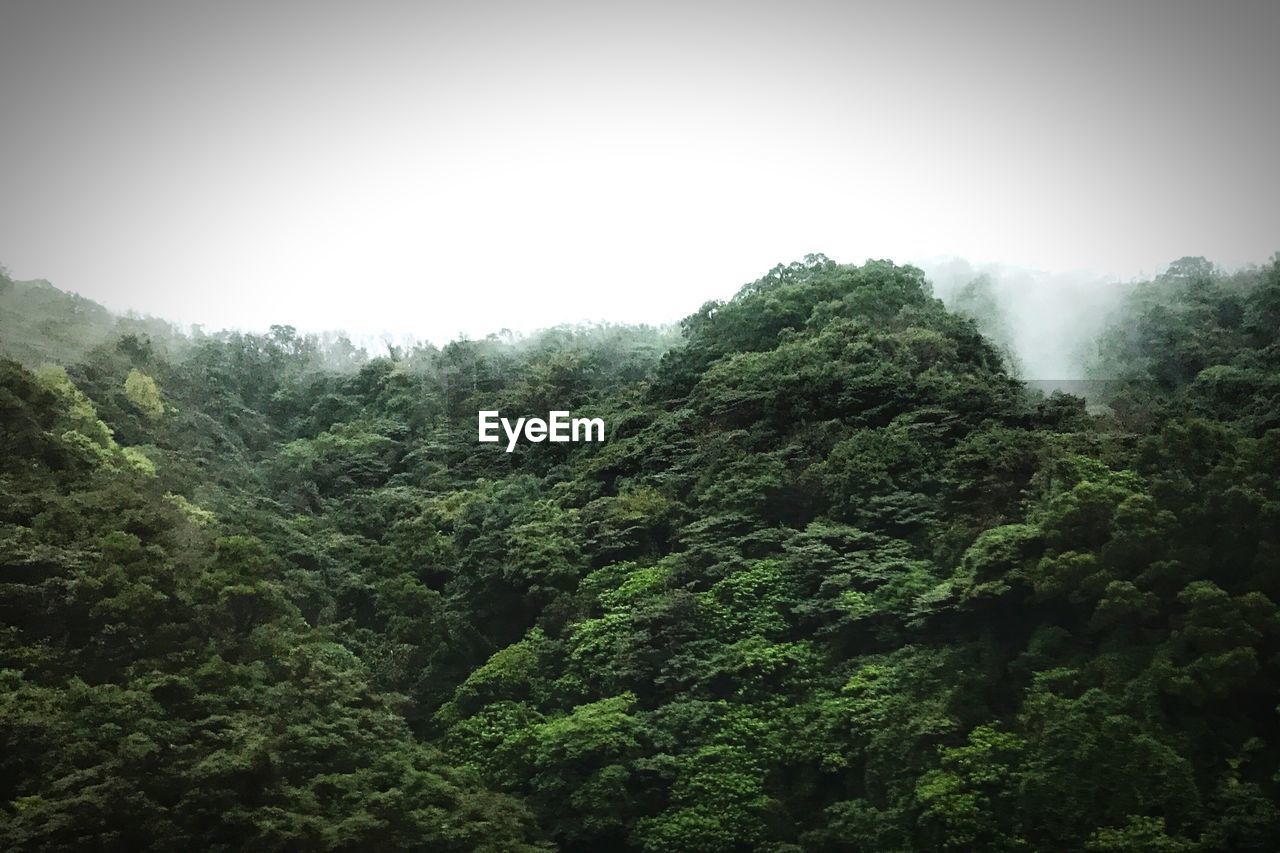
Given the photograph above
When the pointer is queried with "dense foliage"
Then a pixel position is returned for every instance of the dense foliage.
(835, 581)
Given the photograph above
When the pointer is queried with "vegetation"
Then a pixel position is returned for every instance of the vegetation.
(836, 580)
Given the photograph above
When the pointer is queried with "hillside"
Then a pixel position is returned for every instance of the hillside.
(41, 324)
(835, 580)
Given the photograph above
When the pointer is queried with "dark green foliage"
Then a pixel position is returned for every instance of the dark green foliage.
(834, 581)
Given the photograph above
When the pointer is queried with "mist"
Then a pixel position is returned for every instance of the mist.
(1047, 322)
(437, 169)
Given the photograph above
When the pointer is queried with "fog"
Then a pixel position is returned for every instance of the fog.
(1048, 322)
(430, 169)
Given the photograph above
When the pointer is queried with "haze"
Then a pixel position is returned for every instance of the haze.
(446, 168)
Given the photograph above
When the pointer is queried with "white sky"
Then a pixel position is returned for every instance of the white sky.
(463, 167)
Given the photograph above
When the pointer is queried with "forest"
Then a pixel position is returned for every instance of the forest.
(837, 579)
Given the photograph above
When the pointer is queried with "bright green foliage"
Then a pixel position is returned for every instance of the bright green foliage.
(142, 391)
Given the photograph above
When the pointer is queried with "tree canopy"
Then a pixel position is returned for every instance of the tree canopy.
(836, 580)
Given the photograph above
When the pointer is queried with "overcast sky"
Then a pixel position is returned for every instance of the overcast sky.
(438, 168)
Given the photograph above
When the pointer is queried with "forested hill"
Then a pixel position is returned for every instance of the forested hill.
(40, 323)
(834, 581)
